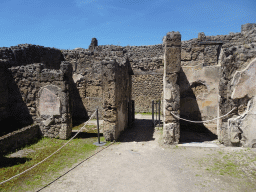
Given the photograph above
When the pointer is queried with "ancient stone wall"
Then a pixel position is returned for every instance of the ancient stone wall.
(199, 79)
(40, 95)
(146, 88)
(116, 95)
(171, 88)
(24, 54)
(4, 80)
(20, 138)
(16, 56)
(202, 59)
(147, 65)
(87, 76)
(145, 61)
(235, 56)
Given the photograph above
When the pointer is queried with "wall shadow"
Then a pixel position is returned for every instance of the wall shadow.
(11, 161)
(189, 109)
(142, 130)
(18, 112)
(84, 135)
(79, 113)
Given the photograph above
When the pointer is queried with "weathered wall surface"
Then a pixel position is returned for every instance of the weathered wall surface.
(18, 139)
(199, 80)
(241, 128)
(171, 88)
(4, 80)
(24, 54)
(146, 64)
(235, 56)
(17, 56)
(208, 66)
(146, 88)
(24, 98)
(116, 95)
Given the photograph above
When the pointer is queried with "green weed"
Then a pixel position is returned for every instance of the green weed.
(77, 150)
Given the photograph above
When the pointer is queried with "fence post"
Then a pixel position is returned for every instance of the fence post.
(98, 127)
(153, 112)
(156, 111)
(133, 111)
(159, 112)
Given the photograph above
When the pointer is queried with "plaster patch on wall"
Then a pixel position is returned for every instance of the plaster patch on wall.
(49, 103)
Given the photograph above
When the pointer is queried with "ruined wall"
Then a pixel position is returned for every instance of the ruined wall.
(4, 80)
(24, 54)
(19, 55)
(116, 95)
(171, 87)
(147, 65)
(199, 80)
(146, 88)
(241, 128)
(29, 102)
(235, 56)
(87, 76)
(20, 138)
(205, 73)
(145, 61)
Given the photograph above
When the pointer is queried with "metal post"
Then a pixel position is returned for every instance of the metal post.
(98, 127)
(156, 111)
(153, 112)
(159, 112)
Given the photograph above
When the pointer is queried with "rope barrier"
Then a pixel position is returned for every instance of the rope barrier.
(202, 121)
(51, 154)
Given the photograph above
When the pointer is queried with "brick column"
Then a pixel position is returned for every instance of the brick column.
(171, 97)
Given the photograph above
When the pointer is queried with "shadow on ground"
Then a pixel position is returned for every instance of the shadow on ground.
(84, 135)
(142, 130)
(195, 133)
(11, 161)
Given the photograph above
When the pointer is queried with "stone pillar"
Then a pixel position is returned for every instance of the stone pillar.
(109, 99)
(171, 97)
(94, 43)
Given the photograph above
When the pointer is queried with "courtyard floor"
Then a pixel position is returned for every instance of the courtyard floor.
(139, 162)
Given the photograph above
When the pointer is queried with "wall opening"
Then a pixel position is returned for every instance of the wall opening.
(189, 109)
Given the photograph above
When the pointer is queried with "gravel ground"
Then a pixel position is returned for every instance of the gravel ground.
(140, 163)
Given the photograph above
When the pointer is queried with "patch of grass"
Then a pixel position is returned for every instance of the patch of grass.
(234, 165)
(75, 151)
(144, 113)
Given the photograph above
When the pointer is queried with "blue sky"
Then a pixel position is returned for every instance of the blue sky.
(68, 24)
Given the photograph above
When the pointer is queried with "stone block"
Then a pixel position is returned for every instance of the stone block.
(109, 130)
(171, 78)
(172, 93)
(171, 133)
(185, 56)
(172, 39)
(172, 59)
(247, 27)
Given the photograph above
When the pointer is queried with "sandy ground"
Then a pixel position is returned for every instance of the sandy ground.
(139, 163)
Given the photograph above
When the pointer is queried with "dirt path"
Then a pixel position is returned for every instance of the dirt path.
(139, 163)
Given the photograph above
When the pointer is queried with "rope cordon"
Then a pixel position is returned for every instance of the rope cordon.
(51, 154)
(202, 121)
